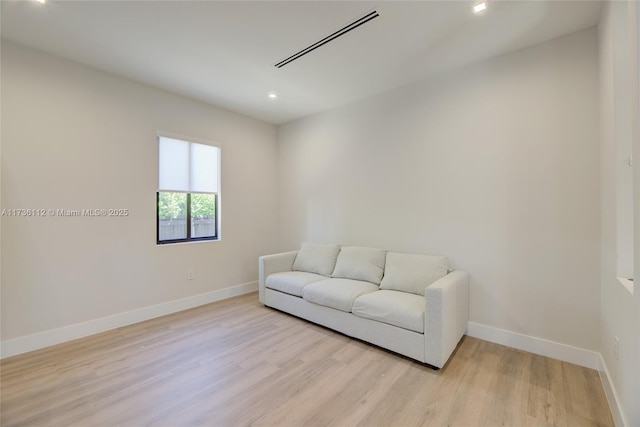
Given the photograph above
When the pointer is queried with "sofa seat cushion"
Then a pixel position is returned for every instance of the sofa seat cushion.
(395, 308)
(337, 293)
(291, 282)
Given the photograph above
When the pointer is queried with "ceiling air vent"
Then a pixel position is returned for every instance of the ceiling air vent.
(341, 32)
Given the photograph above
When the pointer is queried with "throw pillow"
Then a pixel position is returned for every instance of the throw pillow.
(316, 258)
(412, 273)
(360, 264)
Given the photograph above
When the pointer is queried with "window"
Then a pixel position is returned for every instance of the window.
(188, 199)
(626, 107)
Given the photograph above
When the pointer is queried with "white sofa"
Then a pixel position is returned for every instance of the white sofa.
(406, 303)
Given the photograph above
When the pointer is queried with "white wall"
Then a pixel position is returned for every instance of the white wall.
(74, 138)
(620, 309)
(634, 407)
(495, 165)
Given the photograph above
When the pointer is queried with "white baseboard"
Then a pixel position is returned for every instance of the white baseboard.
(51, 337)
(555, 350)
(612, 397)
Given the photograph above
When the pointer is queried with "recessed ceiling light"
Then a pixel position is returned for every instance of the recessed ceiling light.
(272, 95)
(41, 1)
(480, 7)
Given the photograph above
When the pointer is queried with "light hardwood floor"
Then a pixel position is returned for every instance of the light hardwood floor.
(236, 363)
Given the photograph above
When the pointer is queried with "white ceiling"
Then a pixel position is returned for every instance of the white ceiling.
(224, 53)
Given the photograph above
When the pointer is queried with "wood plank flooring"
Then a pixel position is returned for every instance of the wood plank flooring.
(237, 363)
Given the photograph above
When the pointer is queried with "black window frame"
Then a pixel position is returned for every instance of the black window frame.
(188, 238)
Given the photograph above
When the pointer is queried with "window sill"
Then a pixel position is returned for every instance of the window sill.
(628, 284)
(189, 242)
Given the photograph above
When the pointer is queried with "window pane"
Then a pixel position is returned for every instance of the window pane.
(172, 216)
(173, 165)
(204, 168)
(203, 215)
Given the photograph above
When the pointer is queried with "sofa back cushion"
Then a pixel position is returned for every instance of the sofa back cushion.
(316, 258)
(359, 263)
(412, 273)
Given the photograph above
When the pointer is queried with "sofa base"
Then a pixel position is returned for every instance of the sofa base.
(399, 340)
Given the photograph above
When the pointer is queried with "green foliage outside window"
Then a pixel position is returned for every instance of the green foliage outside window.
(203, 205)
(174, 205)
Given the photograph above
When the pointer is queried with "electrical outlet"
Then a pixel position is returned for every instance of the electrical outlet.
(190, 274)
(616, 347)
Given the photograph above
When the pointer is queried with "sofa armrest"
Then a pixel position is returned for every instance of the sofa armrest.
(446, 316)
(269, 264)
